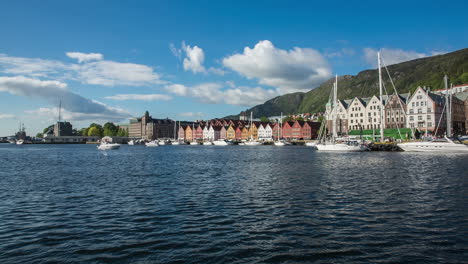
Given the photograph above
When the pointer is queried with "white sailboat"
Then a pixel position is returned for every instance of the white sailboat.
(279, 142)
(175, 142)
(222, 142)
(439, 145)
(251, 141)
(332, 145)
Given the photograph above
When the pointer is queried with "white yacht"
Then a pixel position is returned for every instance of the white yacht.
(446, 145)
(161, 142)
(175, 143)
(153, 143)
(279, 143)
(20, 142)
(311, 144)
(222, 142)
(108, 146)
(193, 143)
(252, 143)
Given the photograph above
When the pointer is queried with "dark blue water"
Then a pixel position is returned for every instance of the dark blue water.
(235, 204)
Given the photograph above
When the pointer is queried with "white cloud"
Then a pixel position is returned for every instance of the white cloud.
(177, 89)
(299, 69)
(7, 116)
(111, 73)
(55, 91)
(52, 112)
(340, 53)
(175, 51)
(140, 97)
(84, 57)
(101, 72)
(394, 56)
(215, 93)
(217, 71)
(194, 58)
(30, 66)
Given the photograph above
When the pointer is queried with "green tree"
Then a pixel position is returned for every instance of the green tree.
(264, 119)
(94, 132)
(300, 118)
(464, 78)
(39, 135)
(100, 130)
(83, 131)
(47, 129)
(110, 129)
(287, 119)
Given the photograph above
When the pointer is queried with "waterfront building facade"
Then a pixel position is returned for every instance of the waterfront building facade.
(149, 128)
(231, 132)
(395, 111)
(188, 135)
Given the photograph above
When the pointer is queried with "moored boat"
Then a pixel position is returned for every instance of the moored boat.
(446, 145)
(108, 146)
(153, 143)
(222, 142)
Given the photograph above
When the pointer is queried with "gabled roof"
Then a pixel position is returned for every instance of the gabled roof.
(462, 96)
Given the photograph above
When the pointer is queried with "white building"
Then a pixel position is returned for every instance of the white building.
(424, 109)
(265, 132)
(206, 133)
(372, 114)
(211, 134)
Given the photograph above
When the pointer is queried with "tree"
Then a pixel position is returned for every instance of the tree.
(94, 132)
(47, 129)
(300, 118)
(464, 77)
(39, 135)
(83, 131)
(264, 119)
(110, 129)
(100, 130)
(287, 119)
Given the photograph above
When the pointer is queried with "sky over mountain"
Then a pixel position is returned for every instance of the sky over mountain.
(108, 61)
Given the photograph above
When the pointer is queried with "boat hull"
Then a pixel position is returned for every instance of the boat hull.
(340, 147)
(108, 146)
(439, 147)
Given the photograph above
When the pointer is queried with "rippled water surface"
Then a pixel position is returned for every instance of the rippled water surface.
(235, 204)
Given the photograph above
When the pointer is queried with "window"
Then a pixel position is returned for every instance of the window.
(419, 117)
(411, 118)
(351, 115)
(411, 111)
(417, 103)
(419, 111)
(428, 117)
(429, 124)
(361, 114)
(412, 104)
(429, 110)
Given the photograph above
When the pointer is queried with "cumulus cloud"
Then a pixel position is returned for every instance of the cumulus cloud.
(98, 72)
(140, 97)
(177, 89)
(194, 58)
(216, 93)
(299, 69)
(83, 57)
(111, 73)
(394, 56)
(7, 116)
(55, 91)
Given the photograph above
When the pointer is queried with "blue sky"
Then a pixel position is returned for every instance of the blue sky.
(109, 60)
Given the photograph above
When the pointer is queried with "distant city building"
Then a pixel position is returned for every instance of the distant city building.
(63, 129)
(149, 128)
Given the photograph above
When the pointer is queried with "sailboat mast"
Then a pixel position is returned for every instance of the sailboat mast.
(427, 99)
(335, 88)
(381, 100)
(448, 108)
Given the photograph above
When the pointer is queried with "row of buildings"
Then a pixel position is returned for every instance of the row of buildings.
(421, 110)
(150, 128)
(241, 130)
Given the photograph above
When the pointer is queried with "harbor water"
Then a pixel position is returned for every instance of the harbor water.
(233, 204)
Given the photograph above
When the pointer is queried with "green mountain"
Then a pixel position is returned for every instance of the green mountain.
(407, 76)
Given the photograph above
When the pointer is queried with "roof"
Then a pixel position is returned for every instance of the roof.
(462, 96)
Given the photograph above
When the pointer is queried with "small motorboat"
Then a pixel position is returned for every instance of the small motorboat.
(253, 143)
(107, 146)
(20, 142)
(193, 143)
(175, 143)
(153, 143)
(161, 142)
(279, 143)
(311, 144)
(222, 142)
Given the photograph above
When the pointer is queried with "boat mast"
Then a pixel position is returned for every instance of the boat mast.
(427, 97)
(448, 108)
(280, 126)
(335, 88)
(250, 126)
(381, 100)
